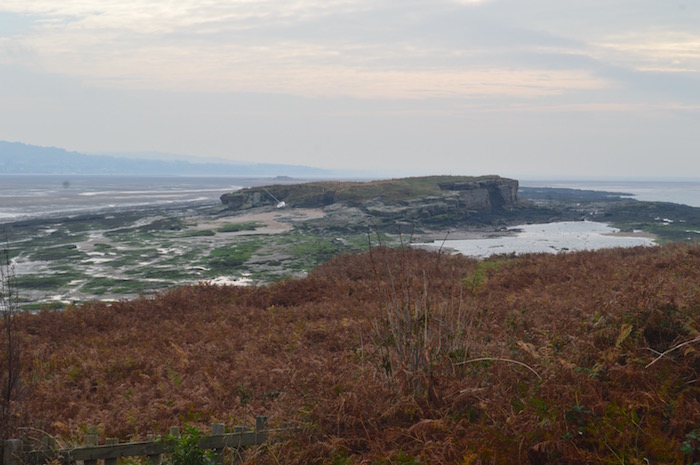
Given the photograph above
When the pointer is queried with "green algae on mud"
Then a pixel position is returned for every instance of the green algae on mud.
(123, 254)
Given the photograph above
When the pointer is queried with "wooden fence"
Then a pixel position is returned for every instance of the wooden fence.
(153, 448)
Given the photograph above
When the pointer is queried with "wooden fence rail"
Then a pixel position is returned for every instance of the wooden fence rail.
(153, 449)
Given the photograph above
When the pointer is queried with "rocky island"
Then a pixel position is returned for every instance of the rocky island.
(426, 202)
(463, 204)
(424, 197)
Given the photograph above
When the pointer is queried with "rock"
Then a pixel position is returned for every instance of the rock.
(422, 198)
(485, 194)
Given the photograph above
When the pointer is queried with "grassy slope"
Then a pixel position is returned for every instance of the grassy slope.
(388, 191)
(319, 353)
(395, 190)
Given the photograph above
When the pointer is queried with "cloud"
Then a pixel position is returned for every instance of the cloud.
(470, 2)
(154, 16)
(667, 51)
(356, 48)
(294, 68)
(449, 85)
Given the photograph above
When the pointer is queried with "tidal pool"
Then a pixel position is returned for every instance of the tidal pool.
(547, 238)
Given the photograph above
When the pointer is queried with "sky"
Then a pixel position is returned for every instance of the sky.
(525, 89)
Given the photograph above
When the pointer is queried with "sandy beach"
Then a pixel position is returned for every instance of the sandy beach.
(273, 221)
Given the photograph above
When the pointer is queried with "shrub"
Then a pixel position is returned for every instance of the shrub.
(10, 346)
(185, 449)
(417, 324)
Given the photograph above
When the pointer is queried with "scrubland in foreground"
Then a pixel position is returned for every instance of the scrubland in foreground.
(396, 356)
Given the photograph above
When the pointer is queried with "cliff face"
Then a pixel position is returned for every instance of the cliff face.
(486, 195)
(311, 195)
(409, 197)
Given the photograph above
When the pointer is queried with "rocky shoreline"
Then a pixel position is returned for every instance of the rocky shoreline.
(122, 253)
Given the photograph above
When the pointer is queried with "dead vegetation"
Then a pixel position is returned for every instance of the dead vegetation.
(397, 356)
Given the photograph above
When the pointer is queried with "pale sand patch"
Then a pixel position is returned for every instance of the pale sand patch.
(274, 221)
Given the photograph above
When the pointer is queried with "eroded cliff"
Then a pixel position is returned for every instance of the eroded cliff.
(408, 198)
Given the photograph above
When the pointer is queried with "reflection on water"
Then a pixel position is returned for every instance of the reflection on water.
(547, 238)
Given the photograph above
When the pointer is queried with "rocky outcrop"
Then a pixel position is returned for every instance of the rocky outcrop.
(311, 195)
(485, 195)
(408, 198)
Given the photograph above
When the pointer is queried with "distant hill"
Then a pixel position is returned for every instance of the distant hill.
(19, 158)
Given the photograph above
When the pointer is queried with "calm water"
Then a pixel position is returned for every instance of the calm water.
(547, 238)
(683, 192)
(23, 196)
(580, 235)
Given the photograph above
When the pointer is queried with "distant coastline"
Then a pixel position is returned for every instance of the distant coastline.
(682, 191)
(17, 158)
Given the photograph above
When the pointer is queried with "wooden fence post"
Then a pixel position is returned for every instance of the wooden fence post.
(260, 425)
(218, 429)
(47, 451)
(111, 442)
(91, 440)
(12, 454)
(48, 444)
(155, 459)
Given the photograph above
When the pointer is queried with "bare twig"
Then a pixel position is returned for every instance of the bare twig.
(10, 345)
(497, 359)
(697, 339)
(443, 243)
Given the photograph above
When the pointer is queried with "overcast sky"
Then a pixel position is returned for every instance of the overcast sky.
(520, 88)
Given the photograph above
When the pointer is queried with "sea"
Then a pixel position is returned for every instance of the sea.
(31, 196)
(685, 192)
